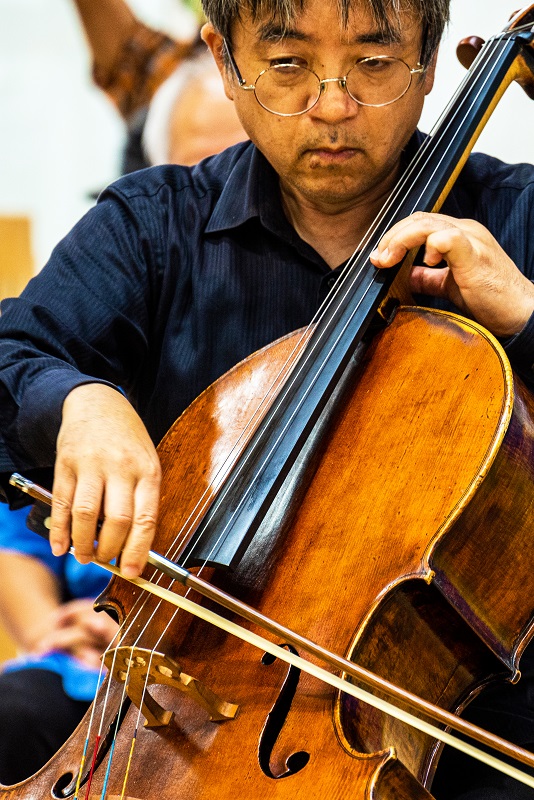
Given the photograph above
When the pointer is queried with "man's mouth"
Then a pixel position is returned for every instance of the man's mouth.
(331, 155)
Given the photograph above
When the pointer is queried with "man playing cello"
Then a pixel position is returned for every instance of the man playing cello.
(179, 273)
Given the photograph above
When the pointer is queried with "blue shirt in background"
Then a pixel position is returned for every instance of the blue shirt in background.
(76, 581)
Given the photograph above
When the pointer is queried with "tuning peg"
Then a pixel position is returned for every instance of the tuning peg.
(468, 50)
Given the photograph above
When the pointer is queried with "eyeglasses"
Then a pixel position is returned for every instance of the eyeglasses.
(290, 89)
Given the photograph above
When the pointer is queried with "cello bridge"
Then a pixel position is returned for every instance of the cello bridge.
(139, 668)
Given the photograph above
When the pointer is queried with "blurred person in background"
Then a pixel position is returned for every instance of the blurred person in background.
(46, 606)
(173, 87)
(190, 116)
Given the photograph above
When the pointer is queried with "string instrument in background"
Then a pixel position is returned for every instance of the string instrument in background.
(367, 486)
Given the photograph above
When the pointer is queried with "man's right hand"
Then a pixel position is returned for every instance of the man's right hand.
(106, 468)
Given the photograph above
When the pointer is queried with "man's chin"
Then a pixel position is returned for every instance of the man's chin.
(332, 187)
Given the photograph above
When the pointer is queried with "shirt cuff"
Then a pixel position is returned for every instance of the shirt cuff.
(40, 416)
(520, 349)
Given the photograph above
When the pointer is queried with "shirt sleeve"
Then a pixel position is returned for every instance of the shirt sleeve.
(48, 346)
(520, 351)
(501, 197)
(520, 228)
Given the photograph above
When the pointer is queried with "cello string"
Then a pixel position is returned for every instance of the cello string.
(88, 737)
(138, 720)
(125, 684)
(98, 736)
(92, 768)
(143, 596)
(117, 724)
(120, 635)
(124, 692)
(128, 766)
(279, 399)
(333, 680)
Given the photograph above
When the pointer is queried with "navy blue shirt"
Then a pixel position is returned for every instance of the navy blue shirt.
(179, 273)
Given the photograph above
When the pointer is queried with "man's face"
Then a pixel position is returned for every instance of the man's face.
(339, 154)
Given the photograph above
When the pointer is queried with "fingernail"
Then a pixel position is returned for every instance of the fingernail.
(129, 571)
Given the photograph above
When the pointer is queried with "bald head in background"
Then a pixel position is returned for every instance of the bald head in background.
(190, 116)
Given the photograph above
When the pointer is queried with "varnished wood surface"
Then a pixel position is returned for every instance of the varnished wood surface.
(353, 566)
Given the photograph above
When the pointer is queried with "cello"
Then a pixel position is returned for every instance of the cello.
(404, 567)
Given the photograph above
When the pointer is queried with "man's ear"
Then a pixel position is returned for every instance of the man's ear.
(215, 42)
(430, 73)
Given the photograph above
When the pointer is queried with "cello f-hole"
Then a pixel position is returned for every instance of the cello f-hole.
(275, 722)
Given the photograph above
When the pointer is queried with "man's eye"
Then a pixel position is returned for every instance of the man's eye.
(287, 62)
(374, 64)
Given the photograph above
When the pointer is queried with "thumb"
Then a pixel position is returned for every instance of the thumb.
(430, 281)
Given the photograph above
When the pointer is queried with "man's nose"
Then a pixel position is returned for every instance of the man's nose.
(334, 102)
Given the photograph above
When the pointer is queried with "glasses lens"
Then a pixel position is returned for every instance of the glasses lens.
(378, 81)
(287, 89)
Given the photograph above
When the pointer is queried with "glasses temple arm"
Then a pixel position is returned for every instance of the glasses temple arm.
(232, 61)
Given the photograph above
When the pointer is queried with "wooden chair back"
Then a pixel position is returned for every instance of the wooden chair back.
(16, 259)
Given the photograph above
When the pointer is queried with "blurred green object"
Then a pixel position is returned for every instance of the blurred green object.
(196, 8)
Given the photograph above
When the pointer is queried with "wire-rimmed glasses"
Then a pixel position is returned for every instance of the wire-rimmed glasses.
(288, 89)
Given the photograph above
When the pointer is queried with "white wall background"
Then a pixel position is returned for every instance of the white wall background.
(509, 133)
(60, 138)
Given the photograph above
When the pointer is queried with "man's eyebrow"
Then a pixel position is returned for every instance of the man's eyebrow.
(378, 37)
(275, 32)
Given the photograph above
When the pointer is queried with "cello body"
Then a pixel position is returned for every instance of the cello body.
(381, 557)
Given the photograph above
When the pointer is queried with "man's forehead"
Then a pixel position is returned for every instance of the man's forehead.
(274, 31)
(360, 27)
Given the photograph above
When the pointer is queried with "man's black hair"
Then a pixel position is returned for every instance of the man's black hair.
(434, 15)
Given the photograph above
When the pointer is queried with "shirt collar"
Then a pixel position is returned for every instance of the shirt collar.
(251, 181)
(252, 191)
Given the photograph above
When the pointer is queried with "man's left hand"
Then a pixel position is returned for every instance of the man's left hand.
(480, 278)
